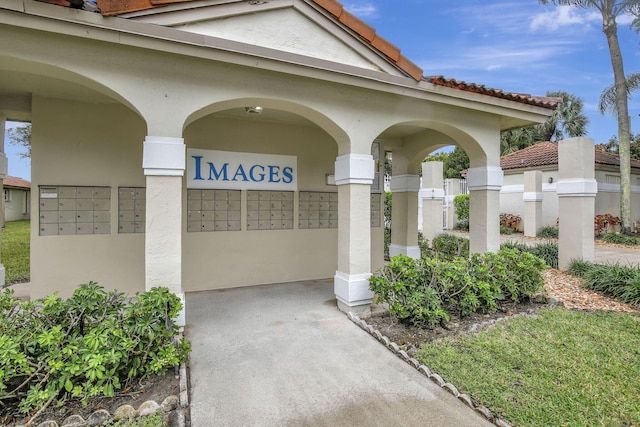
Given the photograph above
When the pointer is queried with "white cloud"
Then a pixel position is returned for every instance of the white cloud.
(361, 9)
(563, 16)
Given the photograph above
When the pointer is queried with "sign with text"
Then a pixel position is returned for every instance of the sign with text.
(241, 171)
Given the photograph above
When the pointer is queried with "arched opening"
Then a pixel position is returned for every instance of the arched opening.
(261, 206)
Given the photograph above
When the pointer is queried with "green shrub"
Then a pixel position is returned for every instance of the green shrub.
(450, 244)
(91, 344)
(423, 244)
(622, 282)
(548, 232)
(579, 268)
(621, 239)
(406, 285)
(548, 251)
(461, 205)
(506, 230)
(462, 225)
(427, 291)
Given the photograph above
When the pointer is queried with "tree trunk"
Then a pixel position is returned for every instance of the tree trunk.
(610, 30)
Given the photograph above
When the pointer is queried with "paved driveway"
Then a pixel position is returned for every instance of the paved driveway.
(283, 355)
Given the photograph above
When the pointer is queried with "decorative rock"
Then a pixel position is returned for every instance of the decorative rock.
(351, 316)
(437, 379)
(540, 299)
(501, 423)
(414, 362)
(466, 400)
(485, 412)
(394, 347)
(184, 389)
(48, 424)
(74, 421)
(177, 419)
(386, 341)
(98, 417)
(124, 412)
(378, 335)
(425, 370)
(147, 408)
(169, 404)
(370, 329)
(452, 389)
(403, 354)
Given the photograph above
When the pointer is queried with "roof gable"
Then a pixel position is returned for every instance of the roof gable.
(288, 30)
(345, 37)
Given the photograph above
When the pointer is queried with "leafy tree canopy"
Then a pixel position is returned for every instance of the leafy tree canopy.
(21, 137)
(612, 146)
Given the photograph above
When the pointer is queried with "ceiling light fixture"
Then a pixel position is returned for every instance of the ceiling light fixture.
(253, 110)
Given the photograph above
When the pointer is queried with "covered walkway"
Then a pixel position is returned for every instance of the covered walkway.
(282, 355)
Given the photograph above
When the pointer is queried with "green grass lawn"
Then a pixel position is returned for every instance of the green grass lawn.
(15, 250)
(561, 368)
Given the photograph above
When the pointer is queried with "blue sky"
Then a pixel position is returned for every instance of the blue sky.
(518, 46)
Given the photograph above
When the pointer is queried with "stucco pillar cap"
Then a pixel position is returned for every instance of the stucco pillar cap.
(164, 156)
(355, 169)
(485, 178)
(577, 187)
(404, 183)
(432, 194)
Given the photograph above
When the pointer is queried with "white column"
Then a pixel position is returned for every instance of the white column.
(432, 196)
(484, 184)
(532, 198)
(404, 216)
(354, 175)
(453, 189)
(164, 164)
(577, 189)
(3, 174)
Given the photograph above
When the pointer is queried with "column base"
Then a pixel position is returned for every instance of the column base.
(181, 319)
(353, 293)
(410, 251)
(361, 311)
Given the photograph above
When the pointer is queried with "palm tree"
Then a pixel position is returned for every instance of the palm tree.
(610, 10)
(568, 120)
(607, 101)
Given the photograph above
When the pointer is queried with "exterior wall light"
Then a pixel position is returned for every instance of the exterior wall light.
(253, 110)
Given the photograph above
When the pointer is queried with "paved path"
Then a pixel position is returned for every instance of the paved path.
(283, 355)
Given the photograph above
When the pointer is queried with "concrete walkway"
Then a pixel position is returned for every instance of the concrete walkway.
(283, 355)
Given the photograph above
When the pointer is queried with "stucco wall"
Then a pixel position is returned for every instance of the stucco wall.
(14, 208)
(607, 200)
(89, 145)
(101, 145)
(213, 260)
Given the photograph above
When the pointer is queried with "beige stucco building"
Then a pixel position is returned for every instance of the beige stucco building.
(543, 157)
(213, 144)
(16, 198)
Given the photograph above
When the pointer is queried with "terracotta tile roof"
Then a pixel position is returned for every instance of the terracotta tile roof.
(364, 31)
(11, 181)
(539, 101)
(546, 154)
